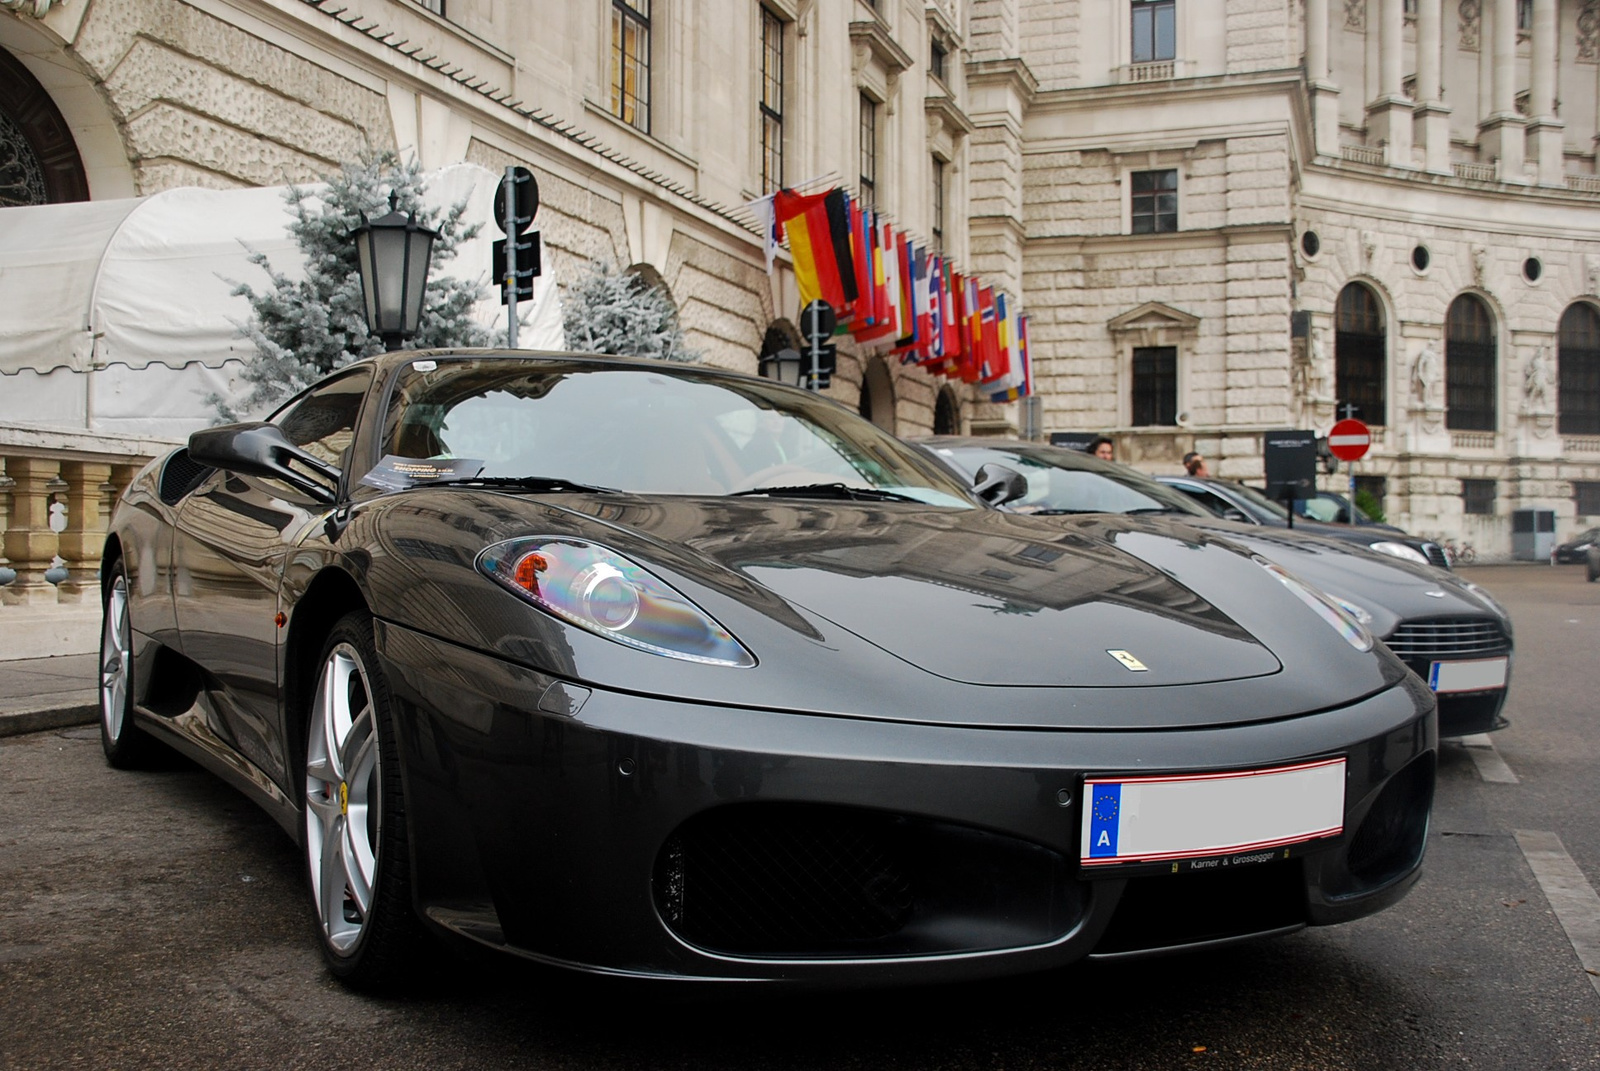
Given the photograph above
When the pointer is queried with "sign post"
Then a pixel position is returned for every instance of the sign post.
(1349, 440)
(817, 321)
(1290, 458)
(516, 261)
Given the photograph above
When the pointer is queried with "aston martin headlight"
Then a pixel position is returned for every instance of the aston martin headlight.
(1399, 550)
(1324, 606)
(599, 590)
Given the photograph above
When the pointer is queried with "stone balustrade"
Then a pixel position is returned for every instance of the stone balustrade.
(57, 491)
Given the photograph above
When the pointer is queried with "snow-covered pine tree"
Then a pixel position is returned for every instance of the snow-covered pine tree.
(618, 312)
(304, 329)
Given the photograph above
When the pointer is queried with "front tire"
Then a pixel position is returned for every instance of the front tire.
(356, 845)
(126, 745)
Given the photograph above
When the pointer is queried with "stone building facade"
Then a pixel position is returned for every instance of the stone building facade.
(1223, 216)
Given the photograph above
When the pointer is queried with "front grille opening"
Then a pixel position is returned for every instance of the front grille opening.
(1431, 639)
(1465, 713)
(1172, 910)
(1390, 839)
(807, 881)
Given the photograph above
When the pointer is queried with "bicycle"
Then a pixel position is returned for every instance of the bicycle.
(1462, 553)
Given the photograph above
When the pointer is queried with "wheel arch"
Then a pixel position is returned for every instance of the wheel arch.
(330, 595)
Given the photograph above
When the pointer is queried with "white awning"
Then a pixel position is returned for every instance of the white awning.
(150, 280)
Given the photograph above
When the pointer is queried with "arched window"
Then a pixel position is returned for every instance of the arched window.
(1469, 366)
(1578, 361)
(39, 162)
(946, 413)
(877, 395)
(1360, 354)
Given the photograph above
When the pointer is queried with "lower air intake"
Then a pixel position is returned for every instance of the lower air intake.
(807, 881)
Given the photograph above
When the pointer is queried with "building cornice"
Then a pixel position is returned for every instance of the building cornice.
(874, 37)
(943, 107)
(1010, 74)
(1217, 85)
(1239, 234)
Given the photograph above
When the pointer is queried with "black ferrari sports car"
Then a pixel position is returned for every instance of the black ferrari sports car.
(655, 670)
(1450, 630)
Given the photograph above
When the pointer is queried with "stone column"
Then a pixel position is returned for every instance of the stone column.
(1546, 131)
(30, 542)
(1389, 117)
(1503, 132)
(7, 574)
(84, 538)
(1324, 92)
(1433, 116)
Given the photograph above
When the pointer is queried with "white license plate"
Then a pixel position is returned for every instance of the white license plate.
(1242, 814)
(1475, 676)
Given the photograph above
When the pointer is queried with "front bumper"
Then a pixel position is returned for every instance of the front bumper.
(620, 834)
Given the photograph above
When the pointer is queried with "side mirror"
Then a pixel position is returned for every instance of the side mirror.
(260, 449)
(999, 484)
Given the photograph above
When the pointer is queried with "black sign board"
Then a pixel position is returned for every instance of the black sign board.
(525, 202)
(817, 321)
(1073, 440)
(529, 264)
(1291, 462)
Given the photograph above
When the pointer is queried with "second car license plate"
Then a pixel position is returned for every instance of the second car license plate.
(1233, 818)
(1476, 675)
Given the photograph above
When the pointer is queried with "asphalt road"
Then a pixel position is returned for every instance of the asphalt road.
(156, 920)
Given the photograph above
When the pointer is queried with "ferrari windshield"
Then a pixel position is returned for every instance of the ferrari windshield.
(1066, 481)
(639, 429)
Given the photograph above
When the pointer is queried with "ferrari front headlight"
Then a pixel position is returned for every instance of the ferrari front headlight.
(603, 592)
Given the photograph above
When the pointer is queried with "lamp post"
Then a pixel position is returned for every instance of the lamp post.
(393, 253)
(783, 366)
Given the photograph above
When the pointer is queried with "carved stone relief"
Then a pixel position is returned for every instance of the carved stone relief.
(1591, 273)
(1471, 13)
(37, 8)
(1589, 32)
(1355, 14)
(1480, 266)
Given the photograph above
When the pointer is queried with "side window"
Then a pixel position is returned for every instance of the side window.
(1206, 499)
(322, 422)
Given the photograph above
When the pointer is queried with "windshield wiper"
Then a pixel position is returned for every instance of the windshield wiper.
(532, 484)
(1058, 512)
(827, 490)
(1156, 509)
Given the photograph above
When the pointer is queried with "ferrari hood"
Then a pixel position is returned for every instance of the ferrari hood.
(977, 596)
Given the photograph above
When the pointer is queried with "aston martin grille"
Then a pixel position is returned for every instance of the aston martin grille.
(1447, 637)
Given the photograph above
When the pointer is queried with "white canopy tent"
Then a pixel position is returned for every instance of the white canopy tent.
(117, 317)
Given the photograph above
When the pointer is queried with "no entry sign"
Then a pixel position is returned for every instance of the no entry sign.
(1348, 440)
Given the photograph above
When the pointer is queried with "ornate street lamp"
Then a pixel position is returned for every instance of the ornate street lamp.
(785, 366)
(393, 251)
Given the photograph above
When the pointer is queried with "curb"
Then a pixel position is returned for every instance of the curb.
(81, 708)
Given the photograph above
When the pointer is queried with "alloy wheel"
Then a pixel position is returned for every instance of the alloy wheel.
(343, 819)
(115, 657)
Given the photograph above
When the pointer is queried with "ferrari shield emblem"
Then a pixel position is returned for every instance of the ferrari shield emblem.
(1130, 663)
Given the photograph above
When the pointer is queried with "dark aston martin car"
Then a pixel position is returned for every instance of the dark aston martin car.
(1576, 549)
(661, 671)
(1236, 502)
(1451, 631)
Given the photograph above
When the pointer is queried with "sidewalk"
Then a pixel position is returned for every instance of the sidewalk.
(48, 676)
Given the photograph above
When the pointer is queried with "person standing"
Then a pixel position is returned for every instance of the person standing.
(1103, 449)
(1195, 465)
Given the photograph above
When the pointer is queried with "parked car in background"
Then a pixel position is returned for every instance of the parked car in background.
(1235, 502)
(1449, 630)
(1330, 507)
(1576, 549)
(662, 671)
(1592, 562)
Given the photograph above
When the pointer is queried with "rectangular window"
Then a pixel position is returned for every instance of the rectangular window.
(1155, 31)
(1586, 497)
(1477, 496)
(938, 205)
(630, 62)
(1525, 16)
(771, 111)
(435, 6)
(936, 55)
(1155, 201)
(1155, 386)
(869, 151)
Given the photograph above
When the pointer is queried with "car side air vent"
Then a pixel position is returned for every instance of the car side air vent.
(180, 475)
